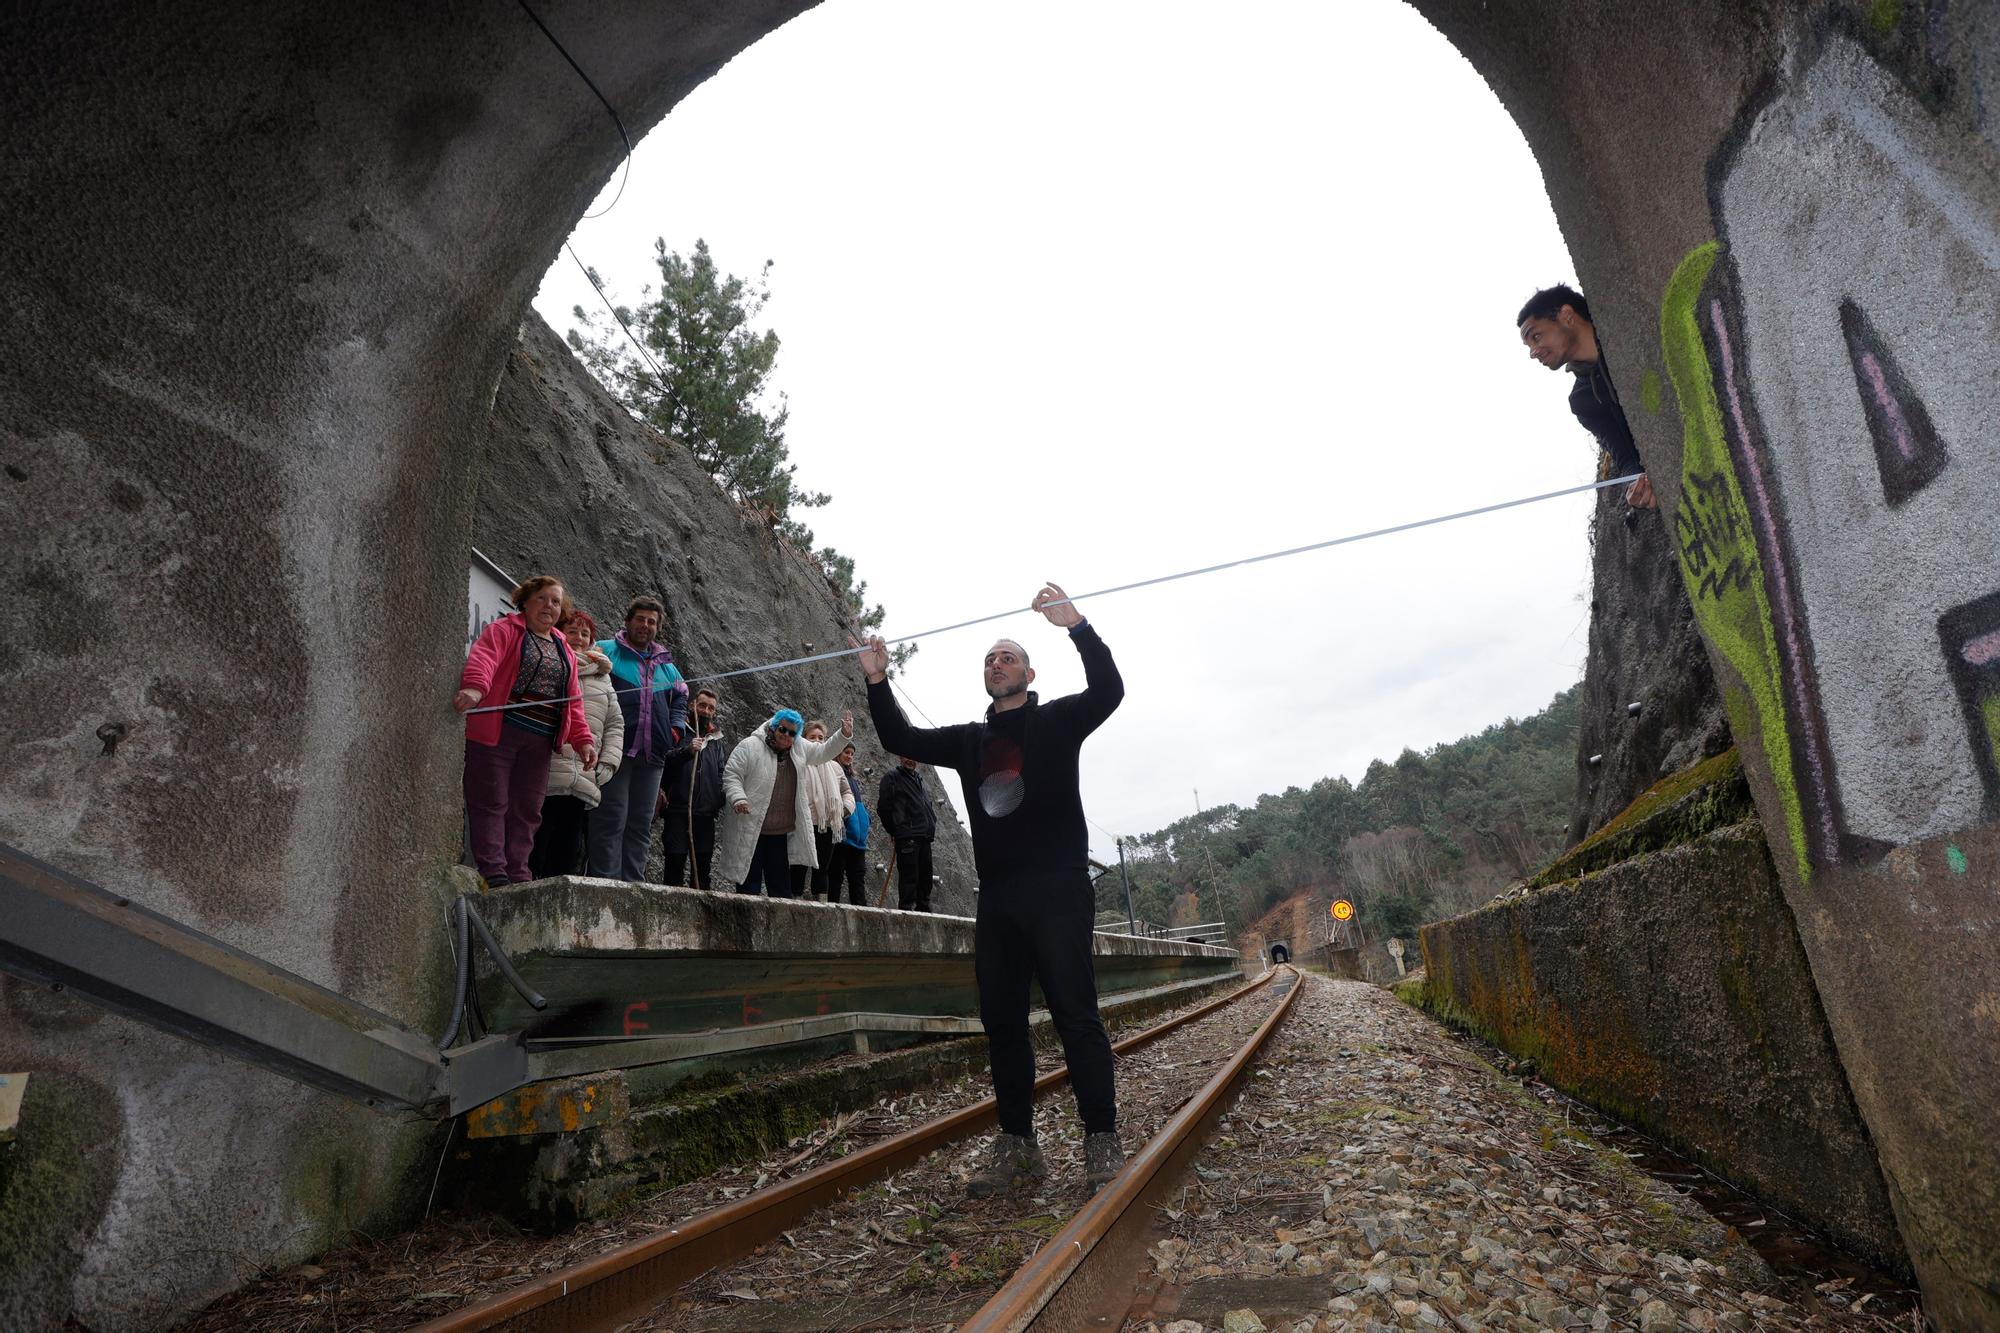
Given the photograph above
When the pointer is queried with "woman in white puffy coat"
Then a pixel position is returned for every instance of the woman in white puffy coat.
(757, 845)
(573, 792)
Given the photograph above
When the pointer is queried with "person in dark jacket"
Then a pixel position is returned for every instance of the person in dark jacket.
(692, 795)
(1018, 766)
(905, 810)
(653, 698)
(1555, 326)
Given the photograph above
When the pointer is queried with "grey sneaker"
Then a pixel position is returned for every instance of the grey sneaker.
(1010, 1160)
(1102, 1159)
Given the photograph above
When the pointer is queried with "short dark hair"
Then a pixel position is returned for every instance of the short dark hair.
(645, 601)
(709, 692)
(527, 588)
(1549, 301)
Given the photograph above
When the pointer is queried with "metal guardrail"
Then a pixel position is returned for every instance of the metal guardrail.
(559, 1057)
(1207, 932)
(70, 935)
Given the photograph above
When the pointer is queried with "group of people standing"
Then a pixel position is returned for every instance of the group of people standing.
(791, 818)
(567, 737)
(787, 790)
(575, 745)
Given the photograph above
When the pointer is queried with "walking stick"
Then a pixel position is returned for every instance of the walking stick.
(882, 898)
(695, 783)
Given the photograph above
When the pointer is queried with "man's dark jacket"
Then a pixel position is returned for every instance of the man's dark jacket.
(704, 771)
(904, 807)
(1018, 768)
(1594, 400)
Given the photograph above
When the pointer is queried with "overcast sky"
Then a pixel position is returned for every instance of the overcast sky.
(1092, 292)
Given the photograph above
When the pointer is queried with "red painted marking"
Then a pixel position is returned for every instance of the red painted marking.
(751, 1013)
(824, 1007)
(634, 1026)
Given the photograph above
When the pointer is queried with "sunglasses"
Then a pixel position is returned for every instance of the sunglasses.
(784, 731)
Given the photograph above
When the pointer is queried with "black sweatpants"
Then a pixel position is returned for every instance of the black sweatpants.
(853, 862)
(674, 860)
(559, 839)
(913, 874)
(825, 875)
(770, 867)
(1039, 930)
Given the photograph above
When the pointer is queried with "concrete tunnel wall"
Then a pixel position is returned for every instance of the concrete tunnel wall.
(267, 261)
(1784, 216)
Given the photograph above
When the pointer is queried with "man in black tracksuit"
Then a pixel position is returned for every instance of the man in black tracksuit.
(694, 779)
(1557, 331)
(905, 808)
(1018, 766)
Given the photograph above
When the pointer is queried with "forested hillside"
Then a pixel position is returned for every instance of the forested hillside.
(1427, 836)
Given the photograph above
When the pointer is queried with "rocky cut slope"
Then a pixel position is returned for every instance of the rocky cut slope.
(1644, 650)
(570, 484)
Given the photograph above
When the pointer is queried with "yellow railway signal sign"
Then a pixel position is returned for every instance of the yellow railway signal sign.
(1342, 909)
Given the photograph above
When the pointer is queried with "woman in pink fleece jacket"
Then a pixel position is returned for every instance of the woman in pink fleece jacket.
(519, 660)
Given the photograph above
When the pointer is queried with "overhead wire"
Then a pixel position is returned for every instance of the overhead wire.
(610, 110)
(1289, 551)
(659, 375)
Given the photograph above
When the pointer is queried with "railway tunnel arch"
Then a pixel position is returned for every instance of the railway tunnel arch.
(267, 265)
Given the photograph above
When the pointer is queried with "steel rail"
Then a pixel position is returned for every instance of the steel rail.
(624, 1284)
(1085, 1272)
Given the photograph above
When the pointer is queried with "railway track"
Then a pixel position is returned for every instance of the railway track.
(1082, 1276)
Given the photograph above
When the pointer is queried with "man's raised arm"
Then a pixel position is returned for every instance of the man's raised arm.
(938, 747)
(1103, 687)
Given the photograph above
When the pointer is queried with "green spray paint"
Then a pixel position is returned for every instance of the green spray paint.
(1884, 15)
(1989, 710)
(1955, 859)
(1649, 391)
(1718, 549)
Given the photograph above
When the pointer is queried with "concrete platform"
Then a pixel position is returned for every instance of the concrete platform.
(622, 961)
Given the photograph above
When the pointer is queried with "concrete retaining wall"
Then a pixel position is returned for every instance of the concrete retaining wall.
(615, 959)
(1670, 990)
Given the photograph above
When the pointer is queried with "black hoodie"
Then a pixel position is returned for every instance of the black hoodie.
(1594, 400)
(904, 806)
(1018, 768)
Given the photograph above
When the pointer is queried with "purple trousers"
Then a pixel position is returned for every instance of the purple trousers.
(504, 784)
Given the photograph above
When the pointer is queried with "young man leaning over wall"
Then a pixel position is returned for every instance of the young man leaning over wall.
(1555, 326)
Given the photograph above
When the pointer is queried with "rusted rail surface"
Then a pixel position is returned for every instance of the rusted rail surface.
(1083, 1276)
(625, 1283)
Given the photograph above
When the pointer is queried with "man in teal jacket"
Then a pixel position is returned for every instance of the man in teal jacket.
(654, 700)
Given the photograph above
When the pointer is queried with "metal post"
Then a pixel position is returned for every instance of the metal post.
(1131, 918)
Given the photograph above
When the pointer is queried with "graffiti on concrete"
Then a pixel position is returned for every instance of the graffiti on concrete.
(1970, 636)
(1722, 554)
(1837, 531)
(1907, 451)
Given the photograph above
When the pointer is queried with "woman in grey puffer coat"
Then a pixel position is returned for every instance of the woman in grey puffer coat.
(573, 792)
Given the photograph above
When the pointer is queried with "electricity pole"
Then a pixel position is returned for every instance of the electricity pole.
(1131, 918)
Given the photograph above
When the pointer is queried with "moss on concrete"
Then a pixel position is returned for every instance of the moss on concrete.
(358, 1172)
(1697, 800)
(1670, 991)
(64, 1162)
